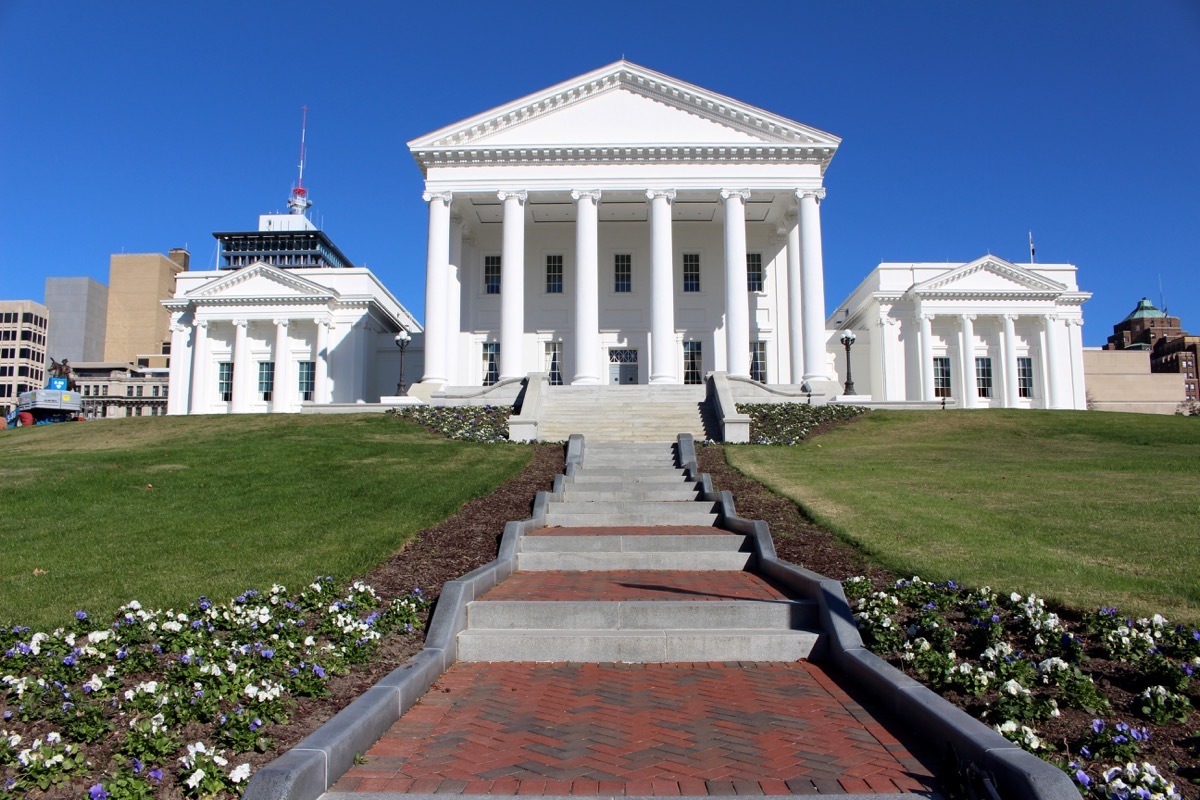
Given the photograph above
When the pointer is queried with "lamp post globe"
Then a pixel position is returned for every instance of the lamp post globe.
(848, 339)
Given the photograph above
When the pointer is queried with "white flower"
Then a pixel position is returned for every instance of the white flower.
(240, 773)
(194, 779)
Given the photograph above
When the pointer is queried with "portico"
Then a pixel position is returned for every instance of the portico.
(624, 224)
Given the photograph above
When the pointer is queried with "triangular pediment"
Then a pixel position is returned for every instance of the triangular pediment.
(628, 106)
(261, 281)
(988, 276)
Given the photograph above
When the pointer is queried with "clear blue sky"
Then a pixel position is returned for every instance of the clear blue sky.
(141, 126)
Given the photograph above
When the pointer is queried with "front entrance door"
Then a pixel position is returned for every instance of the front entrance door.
(622, 366)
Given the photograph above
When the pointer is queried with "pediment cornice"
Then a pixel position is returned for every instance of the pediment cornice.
(1021, 283)
(224, 289)
(780, 139)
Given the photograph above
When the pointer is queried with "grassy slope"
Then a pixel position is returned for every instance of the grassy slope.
(166, 509)
(1086, 508)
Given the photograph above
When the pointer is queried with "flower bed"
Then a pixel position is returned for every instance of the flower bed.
(487, 424)
(1108, 699)
(792, 423)
(156, 702)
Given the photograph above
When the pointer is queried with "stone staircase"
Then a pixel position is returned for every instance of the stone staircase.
(629, 414)
(632, 570)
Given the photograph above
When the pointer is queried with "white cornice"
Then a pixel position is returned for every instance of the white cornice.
(783, 139)
(1029, 283)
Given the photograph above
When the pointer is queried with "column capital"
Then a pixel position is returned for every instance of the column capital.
(667, 194)
(200, 323)
(240, 323)
(968, 317)
(925, 315)
(1076, 321)
(322, 322)
(178, 328)
(818, 193)
(444, 197)
(729, 194)
(521, 196)
(282, 322)
(579, 194)
(1010, 317)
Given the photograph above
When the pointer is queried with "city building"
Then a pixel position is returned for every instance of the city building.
(1171, 348)
(985, 334)
(285, 323)
(120, 389)
(1121, 380)
(23, 328)
(79, 310)
(137, 328)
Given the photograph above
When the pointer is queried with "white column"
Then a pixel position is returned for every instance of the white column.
(1078, 390)
(454, 300)
(200, 365)
(879, 357)
(662, 289)
(812, 278)
(437, 266)
(587, 287)
(969, 391)
(737, 312)
(241, 369)
(926, 349)
(177, 381)
(1010, 361)
(321, 367)
(282, 391)
(512, 286)
(1056, 396)
(795, 300)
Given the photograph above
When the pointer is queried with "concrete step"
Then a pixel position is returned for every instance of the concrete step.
(617, 543)
(681, 492)
(638, 646)
(640, 615)
(621, 472)
(566, 518)
(583, 482)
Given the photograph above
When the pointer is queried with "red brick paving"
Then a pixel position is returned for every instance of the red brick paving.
(638, 729)
(635, 584)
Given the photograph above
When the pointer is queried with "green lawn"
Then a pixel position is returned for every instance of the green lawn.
(166, 509)
(1084, 508)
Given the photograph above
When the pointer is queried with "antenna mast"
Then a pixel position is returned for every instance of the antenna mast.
(299, 202)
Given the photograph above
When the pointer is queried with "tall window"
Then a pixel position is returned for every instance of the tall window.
(758, 361)
(554, 270)
(693, 363)
(941, 376)
(691, 272)
(983, 376)
(224, 380)
(491, 363)
(266, 379)
(491, 274)
(754, 272)
(622, 273)
(307, 380)
(1025, 377)
(554, 363)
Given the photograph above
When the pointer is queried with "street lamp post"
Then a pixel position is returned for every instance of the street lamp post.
(402, 340)
(848, 338)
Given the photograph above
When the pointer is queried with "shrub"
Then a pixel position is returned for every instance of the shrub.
(791, 423)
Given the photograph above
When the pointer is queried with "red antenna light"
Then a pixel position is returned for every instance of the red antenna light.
(300, 191)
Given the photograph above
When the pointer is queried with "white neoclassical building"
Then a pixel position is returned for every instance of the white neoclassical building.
(985, 334)
(624, 227)
(286, 324)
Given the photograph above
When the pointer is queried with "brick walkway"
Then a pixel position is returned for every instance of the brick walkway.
(638, 729)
